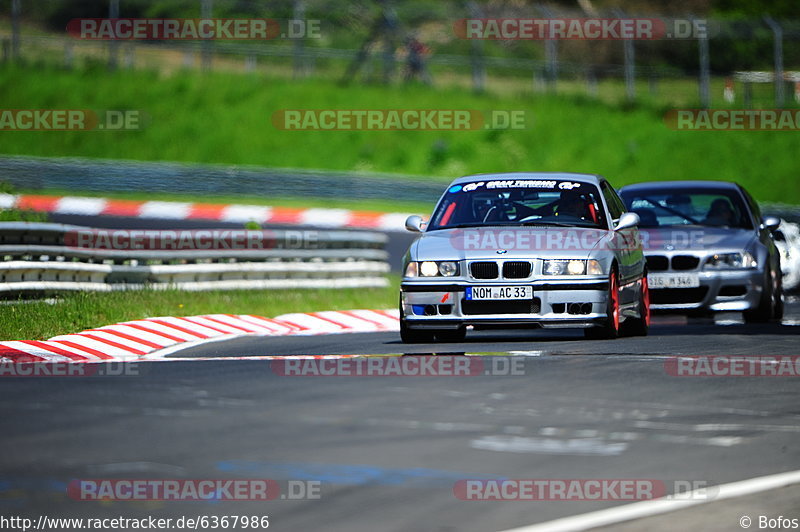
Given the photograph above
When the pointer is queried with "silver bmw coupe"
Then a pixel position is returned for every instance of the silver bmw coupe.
(525, 250)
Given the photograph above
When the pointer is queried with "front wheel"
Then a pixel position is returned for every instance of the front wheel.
(451, 335)
(770, 304)
(640, 326)
(610, 328)
(414, 336)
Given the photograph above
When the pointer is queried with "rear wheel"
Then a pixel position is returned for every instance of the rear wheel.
(610, 328)
(641, 325)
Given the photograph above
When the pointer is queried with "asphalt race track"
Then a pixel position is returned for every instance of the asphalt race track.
(388, 451)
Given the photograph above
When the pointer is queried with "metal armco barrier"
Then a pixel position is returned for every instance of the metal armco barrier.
(106, 176)
(44, 257)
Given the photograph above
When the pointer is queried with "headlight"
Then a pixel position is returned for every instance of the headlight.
(432, 269)
(722, 261)
(448, 269)
(571, 267)
(428, 269)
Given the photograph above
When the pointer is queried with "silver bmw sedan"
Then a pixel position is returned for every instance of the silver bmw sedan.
(708, 248)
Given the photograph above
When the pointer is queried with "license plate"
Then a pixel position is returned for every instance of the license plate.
(673, 280)
(484, 293)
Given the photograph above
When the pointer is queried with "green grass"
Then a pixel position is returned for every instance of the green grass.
(41, 320)
(226, 118)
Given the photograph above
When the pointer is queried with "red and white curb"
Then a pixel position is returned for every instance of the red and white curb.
(152, 338)
(168, 210)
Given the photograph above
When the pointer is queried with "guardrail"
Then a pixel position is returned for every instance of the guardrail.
(44, 257)
(109, 175)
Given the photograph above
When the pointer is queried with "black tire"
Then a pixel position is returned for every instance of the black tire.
(414, 336)
(640, 326)
(767, 306)
(610, 327)
(451, 335)
(777, 312)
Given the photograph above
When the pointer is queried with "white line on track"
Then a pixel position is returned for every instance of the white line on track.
(638, 510)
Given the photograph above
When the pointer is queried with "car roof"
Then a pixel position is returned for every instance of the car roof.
(658, 185)
(582, 178)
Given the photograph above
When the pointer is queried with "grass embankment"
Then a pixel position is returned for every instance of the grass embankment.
(75, 312)
(226, 118)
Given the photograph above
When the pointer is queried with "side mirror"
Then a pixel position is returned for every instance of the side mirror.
(626, 221)
(415, 223)
(770, 222)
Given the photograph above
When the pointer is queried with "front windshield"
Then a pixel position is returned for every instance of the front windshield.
(520, 202)
(676, 207)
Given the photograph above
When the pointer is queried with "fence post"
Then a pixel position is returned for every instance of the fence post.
(15, 9)
(389, 34)
(777, 33)
(113, 44)
(630, 62)
(550, 53)
(206, 8)
(298, 65)
(704, 81)
(476, 52)
(68, 54)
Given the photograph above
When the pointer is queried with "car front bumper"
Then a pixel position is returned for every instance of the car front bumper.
(719, 291)
(571, 303)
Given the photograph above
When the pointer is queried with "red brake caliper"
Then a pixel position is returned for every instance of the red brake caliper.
(646, 299)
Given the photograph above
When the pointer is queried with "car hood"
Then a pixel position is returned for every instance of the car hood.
(508, 242)
(695, 239)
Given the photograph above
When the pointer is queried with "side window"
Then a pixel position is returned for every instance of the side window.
(615, 205)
